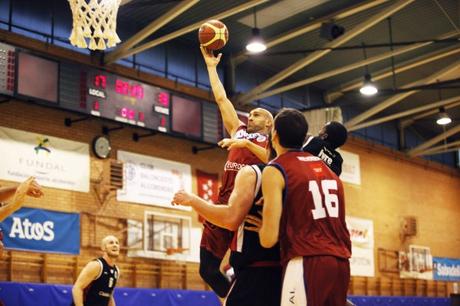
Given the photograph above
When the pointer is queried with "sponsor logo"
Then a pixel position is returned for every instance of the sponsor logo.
(325, 157)
(243, 134)
(42, 145)
(308, 158)
(447, 270)
(232, 166)
(24, 229)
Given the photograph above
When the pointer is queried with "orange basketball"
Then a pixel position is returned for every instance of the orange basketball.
(213, 35)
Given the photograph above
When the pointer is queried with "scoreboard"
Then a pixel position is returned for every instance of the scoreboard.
(98, 93)
(106, 95)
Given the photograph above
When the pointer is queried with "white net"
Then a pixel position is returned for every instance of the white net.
(95, 20)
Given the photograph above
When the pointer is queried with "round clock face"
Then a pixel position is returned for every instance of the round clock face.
(101, 147)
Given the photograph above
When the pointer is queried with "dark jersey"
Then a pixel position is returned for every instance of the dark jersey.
(313, 217)
(100, 290)
(320, 148)
(237, 159)
(246, 248)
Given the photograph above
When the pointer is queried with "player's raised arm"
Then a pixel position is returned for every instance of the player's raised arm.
(227, 110)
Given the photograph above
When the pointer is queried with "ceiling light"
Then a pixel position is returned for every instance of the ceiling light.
(256, 44)
(368, 88)
(443, 117)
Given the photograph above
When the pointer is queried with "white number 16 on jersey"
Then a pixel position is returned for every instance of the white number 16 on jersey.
(331, 201)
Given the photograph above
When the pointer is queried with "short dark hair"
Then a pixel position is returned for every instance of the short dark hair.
(337, 134)
(291, 127)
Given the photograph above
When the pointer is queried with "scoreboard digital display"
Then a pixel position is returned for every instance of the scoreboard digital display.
(109, 96)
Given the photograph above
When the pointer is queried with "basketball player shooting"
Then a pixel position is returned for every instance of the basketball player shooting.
(246, 147)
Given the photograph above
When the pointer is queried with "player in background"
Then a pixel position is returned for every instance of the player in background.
(95, 284)
(332, 136)
(304, 210)
(257, 269)
(246, 147)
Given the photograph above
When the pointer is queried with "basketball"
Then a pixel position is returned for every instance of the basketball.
(213, 35)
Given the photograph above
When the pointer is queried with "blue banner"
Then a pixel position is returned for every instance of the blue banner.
(446, 269)
(42, 231)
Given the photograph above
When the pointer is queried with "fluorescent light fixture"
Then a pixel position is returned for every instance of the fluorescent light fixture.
(368, 88)
(256, 44)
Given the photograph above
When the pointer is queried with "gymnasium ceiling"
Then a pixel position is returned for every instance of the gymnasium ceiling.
(291, 27)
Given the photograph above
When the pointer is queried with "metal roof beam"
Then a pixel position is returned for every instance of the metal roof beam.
(422, 147)
(444, 148)
(360, 28)
(448, 103)
(409, 121)
(311, 26)
(148, 30)
(350, 124)
(336, 93)
(192, 27)
(346, 68)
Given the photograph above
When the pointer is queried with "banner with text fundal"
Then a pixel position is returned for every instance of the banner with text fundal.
(54, 162)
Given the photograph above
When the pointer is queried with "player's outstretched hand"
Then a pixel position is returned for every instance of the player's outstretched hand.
(183, 198)
(35, 190)
(255, 223)
(209, 58)
(21, 192)
(229, 143)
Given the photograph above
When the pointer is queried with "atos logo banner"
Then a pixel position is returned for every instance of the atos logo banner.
(42, 231)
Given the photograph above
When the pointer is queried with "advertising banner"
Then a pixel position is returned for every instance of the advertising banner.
(446, 269)
(40, 230)
(362, 243)
(153, 181)
(54, 162)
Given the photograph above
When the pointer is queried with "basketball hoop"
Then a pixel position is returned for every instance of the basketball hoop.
(172, 251)
(95, 20)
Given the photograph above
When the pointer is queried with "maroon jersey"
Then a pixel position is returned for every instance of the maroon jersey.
(313, 217)
(237, 159)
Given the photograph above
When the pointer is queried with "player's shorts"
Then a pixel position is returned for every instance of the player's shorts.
(259, 286)
(316, 280)
(216, 239)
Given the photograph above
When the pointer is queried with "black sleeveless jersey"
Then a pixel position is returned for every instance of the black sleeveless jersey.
(245, 247)
(318, 147)
(100, 290)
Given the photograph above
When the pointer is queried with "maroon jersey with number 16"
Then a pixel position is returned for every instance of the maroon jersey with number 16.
(313, 217)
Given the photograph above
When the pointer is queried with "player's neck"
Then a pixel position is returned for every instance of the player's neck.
(110, 261)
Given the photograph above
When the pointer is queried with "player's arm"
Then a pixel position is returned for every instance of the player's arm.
(6, 193)
(226, 216)
(28, 187)
(111, 301)
(272, 189)
(226, 108)
(87, 275)
(260, 152)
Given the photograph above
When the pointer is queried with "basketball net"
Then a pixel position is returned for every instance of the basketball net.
(95, 20)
